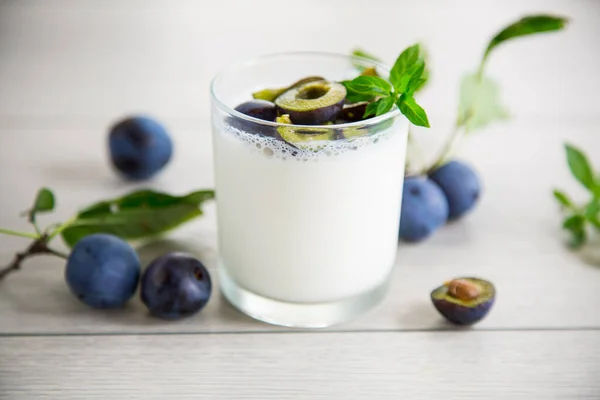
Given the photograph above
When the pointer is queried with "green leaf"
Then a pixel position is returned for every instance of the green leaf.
(413, 78)
(580, 167)
(414, 112)
(594, 221)
(405, 60)
(137, 215)
(562, 198)
(479, 103)
(379, 107)
(425, 75)
(526, 26)
(357, 97)
(385, 105)
(592, 209)
(578, 238)
(575, 221)
(575, 224)
(372, 108)
(368, 85)
(419, 84)
(44, 201)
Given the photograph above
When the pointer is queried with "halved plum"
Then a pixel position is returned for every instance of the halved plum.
(270, 94)
(260, 109)
(313, 103)
(354, 111)
(304, 138)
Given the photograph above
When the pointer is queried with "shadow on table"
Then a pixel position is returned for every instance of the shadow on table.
(40, 291)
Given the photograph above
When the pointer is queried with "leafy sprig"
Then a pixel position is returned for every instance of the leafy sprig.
(480, 102)
(138, 215)
(579, 219)
(406, 77)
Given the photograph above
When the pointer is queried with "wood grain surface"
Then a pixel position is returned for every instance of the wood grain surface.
(69, 68)
(459, 365)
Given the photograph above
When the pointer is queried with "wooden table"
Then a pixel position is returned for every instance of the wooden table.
(69, 69)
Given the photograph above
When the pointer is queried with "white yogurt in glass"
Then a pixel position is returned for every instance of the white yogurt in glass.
(303, 237)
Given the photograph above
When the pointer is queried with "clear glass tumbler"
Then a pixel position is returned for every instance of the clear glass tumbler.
(307, 230)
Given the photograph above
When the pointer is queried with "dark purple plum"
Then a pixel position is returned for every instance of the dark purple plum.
(464, 301)
(460, 185)
(139, 147)
(102, 271)
(424, 209)
(175, 285)
(260, 109)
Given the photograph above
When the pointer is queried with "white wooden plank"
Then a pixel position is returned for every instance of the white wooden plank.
(490, 365)
(513, 237)
(89, 58)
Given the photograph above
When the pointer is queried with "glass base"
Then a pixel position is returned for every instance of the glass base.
(299, 315)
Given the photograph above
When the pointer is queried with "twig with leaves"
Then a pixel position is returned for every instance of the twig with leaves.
(479, 97)
(579, 218)
(138, 215)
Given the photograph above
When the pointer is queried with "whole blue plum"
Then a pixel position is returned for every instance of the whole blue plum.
(139, 147)
(175, 285)
(460, 185)
(424, 209)
(102, 271)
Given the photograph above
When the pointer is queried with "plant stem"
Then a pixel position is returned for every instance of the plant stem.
(61, 228)
(447, 148)
(416, 151)
(20, 234)
(37, 228)
(39, 246)
(57, 253)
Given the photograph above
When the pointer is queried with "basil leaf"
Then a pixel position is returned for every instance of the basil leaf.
(385, 105)
(526, 26)
(137, 215)
(425, 75)
(358, 97)
(372, 108)
(417, 85)
(562, 198)
(410, 81)
(368, 85)
(405, 60)
(479, 103)
(379, 107)
(580, 167)
(414, 112)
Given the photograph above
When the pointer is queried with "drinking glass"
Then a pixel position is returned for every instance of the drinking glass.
(307, 228)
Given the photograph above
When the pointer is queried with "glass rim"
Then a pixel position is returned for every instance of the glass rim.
(394, 112)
